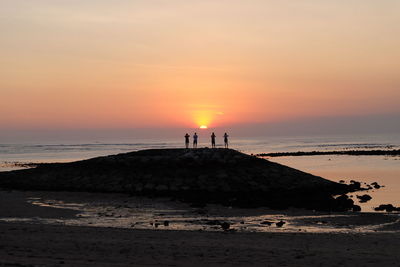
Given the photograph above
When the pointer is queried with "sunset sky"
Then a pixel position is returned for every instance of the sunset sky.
(69, 64)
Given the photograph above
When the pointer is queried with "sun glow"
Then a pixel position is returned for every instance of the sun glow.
(203, 118)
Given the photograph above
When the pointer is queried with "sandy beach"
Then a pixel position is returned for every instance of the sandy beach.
(26, 239)
(91, 213)
(39, 245)
(199, 133)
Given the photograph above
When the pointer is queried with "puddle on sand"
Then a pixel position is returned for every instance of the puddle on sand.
(119, 211)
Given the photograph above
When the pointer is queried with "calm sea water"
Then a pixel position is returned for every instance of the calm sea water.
(382, 169)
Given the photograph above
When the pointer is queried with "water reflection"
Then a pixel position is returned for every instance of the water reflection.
(110, 210)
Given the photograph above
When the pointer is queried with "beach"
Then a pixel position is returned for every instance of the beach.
(55, 245)
(199, 133)
(59, 228)
(28, 239)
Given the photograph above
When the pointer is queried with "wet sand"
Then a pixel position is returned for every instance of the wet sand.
(50, 245)
(35, 243)
(124, 211)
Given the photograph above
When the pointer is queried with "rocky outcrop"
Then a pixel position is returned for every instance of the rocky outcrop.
(200, 176)
(387, 208)
(364, 198)
(386, 152)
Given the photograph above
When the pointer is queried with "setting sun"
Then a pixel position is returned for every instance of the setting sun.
(220, 111)
(203, 117)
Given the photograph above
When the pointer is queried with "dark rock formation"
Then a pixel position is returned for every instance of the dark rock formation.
(343, 202)
(393, 152)
(354, 185)
(356, 208)
(225, 226)
(266, 222)
(376, 185)
(199, 176)
(280, 223)
(387, 207)
(364, 198)
(212, 222)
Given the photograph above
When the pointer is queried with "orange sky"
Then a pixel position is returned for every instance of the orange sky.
(88, 64)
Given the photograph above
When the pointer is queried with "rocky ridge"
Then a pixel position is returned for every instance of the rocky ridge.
(200, 176)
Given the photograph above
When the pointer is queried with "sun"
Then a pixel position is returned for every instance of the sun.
(203, 127)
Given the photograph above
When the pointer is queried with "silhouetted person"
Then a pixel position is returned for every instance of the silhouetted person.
(195, 137)
(213, 140)
(226, 140)
(187, 140)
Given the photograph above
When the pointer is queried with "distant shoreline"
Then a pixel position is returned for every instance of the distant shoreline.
(335, 152)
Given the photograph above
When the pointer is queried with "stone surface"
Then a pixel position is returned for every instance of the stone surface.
(200, 176)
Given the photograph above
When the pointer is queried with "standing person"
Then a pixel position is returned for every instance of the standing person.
(195, 136)
(213, 140)
(226, 140)
(187, 140)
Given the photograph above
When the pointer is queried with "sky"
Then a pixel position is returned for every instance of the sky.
(96, 64)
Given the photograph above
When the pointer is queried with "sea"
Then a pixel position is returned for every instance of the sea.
(385, 170)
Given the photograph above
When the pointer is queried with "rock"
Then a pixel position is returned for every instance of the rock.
(173, 188)
(213, 222)
(387, 207)
(225, 226)
(356, 208)
(354, 185)
(222, 175)
(343, 203)
(280, 223)
(166, 223)
(376, 185)
(202, 179)
(201, 176)
(266, 222)
(364, 198)
(201, 211)
(149, 186)
(139, 187)
(161, 187)
(226, 188)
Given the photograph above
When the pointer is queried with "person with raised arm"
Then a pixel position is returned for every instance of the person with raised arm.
(195, 137)
(187, 140)
(213, 140)
(226, 140)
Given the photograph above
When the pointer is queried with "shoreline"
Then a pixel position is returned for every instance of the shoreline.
(47, 228)
(130, 212)
(40, 244)
(380, 152)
